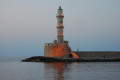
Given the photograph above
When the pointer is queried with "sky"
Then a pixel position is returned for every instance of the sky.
(90, 25)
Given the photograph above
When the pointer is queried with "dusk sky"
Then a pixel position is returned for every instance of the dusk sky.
(90, 25)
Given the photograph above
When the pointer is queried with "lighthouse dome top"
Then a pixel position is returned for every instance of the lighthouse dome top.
(60, 8)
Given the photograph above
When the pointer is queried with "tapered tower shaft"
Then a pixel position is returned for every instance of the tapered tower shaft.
(60, 16)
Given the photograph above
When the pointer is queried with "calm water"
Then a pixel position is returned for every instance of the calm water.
(13, 69)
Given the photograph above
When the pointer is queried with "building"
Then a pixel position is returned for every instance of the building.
(59, 47)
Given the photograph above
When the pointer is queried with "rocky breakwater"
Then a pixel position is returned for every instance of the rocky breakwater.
(54, 59)
(50, 59)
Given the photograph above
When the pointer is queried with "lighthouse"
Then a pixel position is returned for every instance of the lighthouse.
(60, 16)
(59, 47)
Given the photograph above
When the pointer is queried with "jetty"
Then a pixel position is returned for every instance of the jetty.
(55, 59)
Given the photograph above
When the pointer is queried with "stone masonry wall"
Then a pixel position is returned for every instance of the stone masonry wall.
(98, 54)
(56, 51)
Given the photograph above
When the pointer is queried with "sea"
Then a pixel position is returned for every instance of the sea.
(11, 68)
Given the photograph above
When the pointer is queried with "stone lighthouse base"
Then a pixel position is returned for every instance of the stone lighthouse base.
(60, 50)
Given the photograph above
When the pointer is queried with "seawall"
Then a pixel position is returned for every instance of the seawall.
(84, 56)
(56, 59)
(98, 54)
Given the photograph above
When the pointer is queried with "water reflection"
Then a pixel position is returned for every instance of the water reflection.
(56, 71)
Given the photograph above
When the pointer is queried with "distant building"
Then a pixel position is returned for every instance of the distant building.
(59, 47)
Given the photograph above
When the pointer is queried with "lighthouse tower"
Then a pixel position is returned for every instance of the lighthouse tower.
(60, 16)
(59, 47)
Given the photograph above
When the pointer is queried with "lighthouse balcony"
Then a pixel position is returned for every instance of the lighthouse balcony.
(60, 16)
(60, 26)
